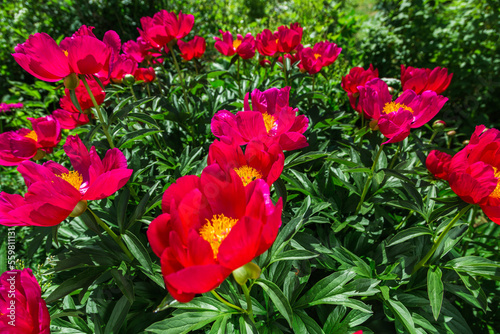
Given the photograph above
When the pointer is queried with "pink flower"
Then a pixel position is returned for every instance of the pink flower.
(422, 79)
(54, 192)
(244, 47)
(289, 38)
(321, 55)
(271, 121)
(395, 119)
(357, 76)
(267, 43)
(195, 48)
(294, 56)
(24, 144)
(145, 74)
(5, 107)
(69, 117)
(258, 161)
(164, 27)
(22, 309)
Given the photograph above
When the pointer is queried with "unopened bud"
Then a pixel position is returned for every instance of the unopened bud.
(79, 208)
(249, 270)
(391, 90)
(466, 142)
(451, 133)
(40, 154)
(374, 124)
(71, 81)
(439, 125)
(128, 79)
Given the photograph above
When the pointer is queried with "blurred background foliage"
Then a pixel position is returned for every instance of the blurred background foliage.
(460, 35)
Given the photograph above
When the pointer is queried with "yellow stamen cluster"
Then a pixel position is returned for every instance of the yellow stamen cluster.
(248, 174)
(496, 193)
(216, 230)
(317, 55)
(65, 53)
(32, 135)
(72, 177)
(236, 43)
(393, 106)
(269, 121)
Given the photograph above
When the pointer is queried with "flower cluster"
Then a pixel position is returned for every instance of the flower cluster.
(5, 107)
(215, 223)
(410, 110)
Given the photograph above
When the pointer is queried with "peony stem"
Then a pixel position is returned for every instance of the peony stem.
(284, 68)
(99, 115)
(180, 76)
(246, 292)
(440, 239)
(133, 94)
(238, 77)
(225, 302)
(116, 238)
(368, 182)
(396, 155)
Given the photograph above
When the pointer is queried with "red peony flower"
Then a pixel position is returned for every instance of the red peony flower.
(140, 51)
(24, 144)
(321, 55)
(357, 76)
(294, 56)
(210, 226)
(164, 27)
(244, 47)
(289, 38)
(474, 172)
(5, 107)
(258, 161)
(145, 74)
(395, 119)
(82, 53)
(271, 121)
(267, 43)
(69, 117)
(22, 309)
(421, 79)
(121, 67)
(54, 192)
(438, 163)
(195, 48)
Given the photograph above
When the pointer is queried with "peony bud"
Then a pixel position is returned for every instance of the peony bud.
(451, 133)
(71, 81)
(128, 79)
(79, 209)
(439, 125)
(249, 270)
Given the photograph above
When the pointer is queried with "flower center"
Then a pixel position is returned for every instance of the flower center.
(393, 106)
(269, 121)
(317, 55)
(248, 174)
(216, 230)
(236, 43)
(65, 53)
(32, 135)
(72, 177)
(496, 193)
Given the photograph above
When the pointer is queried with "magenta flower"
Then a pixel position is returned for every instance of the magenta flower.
(22, 309)
(195, 48)
(258, 161)
(24, 144)
(357, 76)
(121, 67)
(54, 192)
(289, 38)
(321, 55)
(243, 46)
(5, 107)
(421, 79)
(140, 51)
(145, 74)
(267, 43)
(395, 119)
(271, 121)
(164, 27)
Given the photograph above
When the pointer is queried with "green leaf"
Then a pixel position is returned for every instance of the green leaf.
(141, 208)
(410, 233)
(302, 323)
(403, 315)
(476, 265)
(74, 99)
(278, 298)
(295, 254)
(246, 326)
(138, 250)
(82, 280)
(124, 285)
(184, 322)
(135, 135)
(435, 290)
(117, 318)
